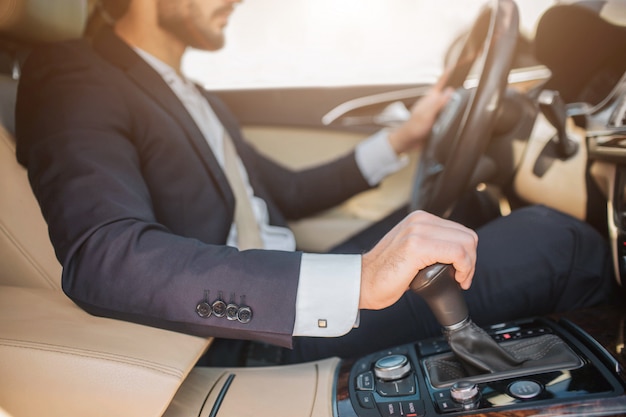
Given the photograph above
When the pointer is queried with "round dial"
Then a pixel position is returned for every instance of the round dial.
(465, 392)
(392, 367)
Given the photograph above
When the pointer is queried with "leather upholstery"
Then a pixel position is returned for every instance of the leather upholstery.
(26, 254)
(533, 355)
(478, 352)
(55, 359)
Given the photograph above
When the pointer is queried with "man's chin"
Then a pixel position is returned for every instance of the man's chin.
(192, 36)
(206, 42)
(207, 46)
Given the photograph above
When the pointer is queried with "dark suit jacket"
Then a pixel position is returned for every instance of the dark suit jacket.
(138, 208)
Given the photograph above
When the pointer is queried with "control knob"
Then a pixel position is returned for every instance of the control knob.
(465, 393)
(392, 367)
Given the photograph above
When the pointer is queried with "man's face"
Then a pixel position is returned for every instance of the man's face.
(197, 23)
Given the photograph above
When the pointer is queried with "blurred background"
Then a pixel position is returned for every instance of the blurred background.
(296, 43)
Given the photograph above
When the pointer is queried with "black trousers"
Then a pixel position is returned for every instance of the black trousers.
(535, 261)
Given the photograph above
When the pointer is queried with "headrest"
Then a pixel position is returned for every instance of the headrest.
(36, 21)
(612, 11)
(568, 34)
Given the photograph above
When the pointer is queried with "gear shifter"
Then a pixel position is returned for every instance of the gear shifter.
(437, 286)
(474, 348)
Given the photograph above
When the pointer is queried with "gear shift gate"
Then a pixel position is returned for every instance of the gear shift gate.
(538, 354)
(476, 355)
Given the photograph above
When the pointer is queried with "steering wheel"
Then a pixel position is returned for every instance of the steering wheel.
(450, 162)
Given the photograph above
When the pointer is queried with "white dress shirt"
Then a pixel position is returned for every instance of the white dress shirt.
(329, 284)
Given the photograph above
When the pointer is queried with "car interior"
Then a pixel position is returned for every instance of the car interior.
(560, 140)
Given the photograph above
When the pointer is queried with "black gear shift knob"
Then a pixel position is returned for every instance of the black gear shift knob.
(437, 286)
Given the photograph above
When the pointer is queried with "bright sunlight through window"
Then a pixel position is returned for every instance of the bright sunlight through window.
(276, 43)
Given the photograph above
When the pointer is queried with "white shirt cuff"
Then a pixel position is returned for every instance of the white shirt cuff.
(327, 301)
(376, 158)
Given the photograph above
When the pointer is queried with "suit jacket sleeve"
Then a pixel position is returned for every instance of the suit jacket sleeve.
(138, 210)
(90, 170)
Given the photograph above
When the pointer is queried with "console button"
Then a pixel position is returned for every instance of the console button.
(365, 381)
(389, 409)
(447, 405)
(402, 387)
(412, 408)
(362, 365)
(402, 408)
(366, 399)
(525, 389)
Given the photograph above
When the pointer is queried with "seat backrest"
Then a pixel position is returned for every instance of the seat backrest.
(27, 258)
(56, 359)
(26, 254)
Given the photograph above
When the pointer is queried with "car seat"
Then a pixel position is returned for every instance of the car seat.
(56, 359)
(26, 254)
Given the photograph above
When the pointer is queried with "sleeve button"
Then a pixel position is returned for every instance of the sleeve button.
(204, 309)
(244, 314)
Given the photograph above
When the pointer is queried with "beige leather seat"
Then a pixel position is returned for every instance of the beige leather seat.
(55, 359)
(26, 254)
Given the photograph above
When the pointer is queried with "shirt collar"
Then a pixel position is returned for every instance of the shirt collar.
(169, 74)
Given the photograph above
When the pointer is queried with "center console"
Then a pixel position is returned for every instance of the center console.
(404, 382)
(425, 379)
(536, 366)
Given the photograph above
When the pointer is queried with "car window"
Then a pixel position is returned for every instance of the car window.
(302, 43)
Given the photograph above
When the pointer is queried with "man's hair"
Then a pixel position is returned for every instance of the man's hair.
(114, 8)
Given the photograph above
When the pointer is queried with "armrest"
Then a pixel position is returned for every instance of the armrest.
(57, 360)
(305, 389)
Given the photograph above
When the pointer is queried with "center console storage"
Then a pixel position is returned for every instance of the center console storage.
(424, 379)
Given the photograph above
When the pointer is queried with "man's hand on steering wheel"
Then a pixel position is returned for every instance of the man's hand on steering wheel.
(414, 132)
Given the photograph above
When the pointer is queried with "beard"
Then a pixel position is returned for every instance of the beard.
(185, 20)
